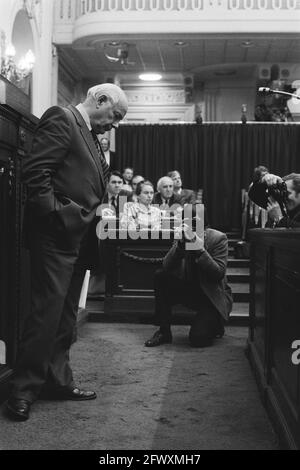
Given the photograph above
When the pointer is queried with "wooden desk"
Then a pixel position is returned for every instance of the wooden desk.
(275, 324)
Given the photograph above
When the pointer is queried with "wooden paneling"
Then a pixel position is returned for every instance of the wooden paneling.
(16, 132)
(275, 324)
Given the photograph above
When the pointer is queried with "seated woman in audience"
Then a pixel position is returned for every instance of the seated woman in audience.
(135, 181)
(141, 214)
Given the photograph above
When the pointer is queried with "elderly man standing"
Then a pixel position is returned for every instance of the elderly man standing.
(66, 176)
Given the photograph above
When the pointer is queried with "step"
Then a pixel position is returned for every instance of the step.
(238, 263)
(240, 309)
(238, 278)
(238, 271)
(234, 234)
(240, 292)
(233, 241)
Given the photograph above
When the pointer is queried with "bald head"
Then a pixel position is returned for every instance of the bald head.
(106, 105)
(113, 93)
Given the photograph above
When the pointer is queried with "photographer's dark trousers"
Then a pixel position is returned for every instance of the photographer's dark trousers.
(170, 291)
(56, 281)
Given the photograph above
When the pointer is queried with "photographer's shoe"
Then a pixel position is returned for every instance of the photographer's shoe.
(159, 338)
(18, 409)
(220, 332)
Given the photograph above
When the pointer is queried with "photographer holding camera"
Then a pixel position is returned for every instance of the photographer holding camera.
(194, 275)
(280, 197)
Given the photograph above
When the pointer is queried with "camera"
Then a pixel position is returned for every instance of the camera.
(279, 193)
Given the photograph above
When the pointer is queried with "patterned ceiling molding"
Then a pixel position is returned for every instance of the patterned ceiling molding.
(155, 97)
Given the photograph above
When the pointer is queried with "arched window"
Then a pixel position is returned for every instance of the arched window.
(23, 42)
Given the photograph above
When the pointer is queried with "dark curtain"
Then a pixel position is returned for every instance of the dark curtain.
(219, 158)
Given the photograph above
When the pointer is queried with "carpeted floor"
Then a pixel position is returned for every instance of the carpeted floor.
(166, 398)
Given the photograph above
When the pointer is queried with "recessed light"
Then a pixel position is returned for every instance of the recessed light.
(247, 44)
(180, 43)
(150, 77)
(114, 43)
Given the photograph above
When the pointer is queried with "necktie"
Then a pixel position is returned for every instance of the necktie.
(113, 202)
(105, 167)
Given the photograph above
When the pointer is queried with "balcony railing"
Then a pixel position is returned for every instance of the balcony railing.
(68, 12)
(70, 9)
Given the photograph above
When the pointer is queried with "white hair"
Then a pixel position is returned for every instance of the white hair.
(160, 181)
(113, 92)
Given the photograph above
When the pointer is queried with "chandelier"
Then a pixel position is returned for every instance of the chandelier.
(16, 72)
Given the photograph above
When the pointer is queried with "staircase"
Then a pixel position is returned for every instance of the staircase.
(238, 277)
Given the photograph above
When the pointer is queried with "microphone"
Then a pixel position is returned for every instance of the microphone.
(264, 90)
(269, 91)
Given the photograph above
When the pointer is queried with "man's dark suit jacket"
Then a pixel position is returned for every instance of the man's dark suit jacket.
(187, 196)
(63, 175)
(173, 200)
(208, 267)
(124, 194)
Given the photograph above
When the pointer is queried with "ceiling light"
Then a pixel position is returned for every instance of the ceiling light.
(150, 77)
(247, 44)
(114, 43)
(180, 44)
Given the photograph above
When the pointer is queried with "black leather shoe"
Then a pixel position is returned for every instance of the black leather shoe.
(74, 394)
(18, 409)
(220, 332)
(159, 338)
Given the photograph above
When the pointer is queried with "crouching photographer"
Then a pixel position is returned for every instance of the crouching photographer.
(280, 197)
(194, 275)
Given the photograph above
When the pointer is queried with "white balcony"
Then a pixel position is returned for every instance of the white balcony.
(79, 19)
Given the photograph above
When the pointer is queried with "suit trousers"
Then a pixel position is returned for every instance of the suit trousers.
(170, 291)
(56, 281)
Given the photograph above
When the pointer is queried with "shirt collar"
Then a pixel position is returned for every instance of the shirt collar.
(144, 208)
(84, 115)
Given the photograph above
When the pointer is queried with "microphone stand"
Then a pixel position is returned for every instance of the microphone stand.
(269, 91)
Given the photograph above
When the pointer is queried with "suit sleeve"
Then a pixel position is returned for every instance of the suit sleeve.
(289, 223)
(214, 262)
(192, 197)
(173, 258)
(50, 146)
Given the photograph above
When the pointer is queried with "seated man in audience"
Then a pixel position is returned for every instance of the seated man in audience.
(115, 196)
(280, 197)
(186, 196)
(197, 279)
(127, 179)
(137, 179)
(165, 196)
(109, 156)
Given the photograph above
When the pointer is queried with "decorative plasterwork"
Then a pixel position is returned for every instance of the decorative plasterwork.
(157, 96)
(34, 10)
